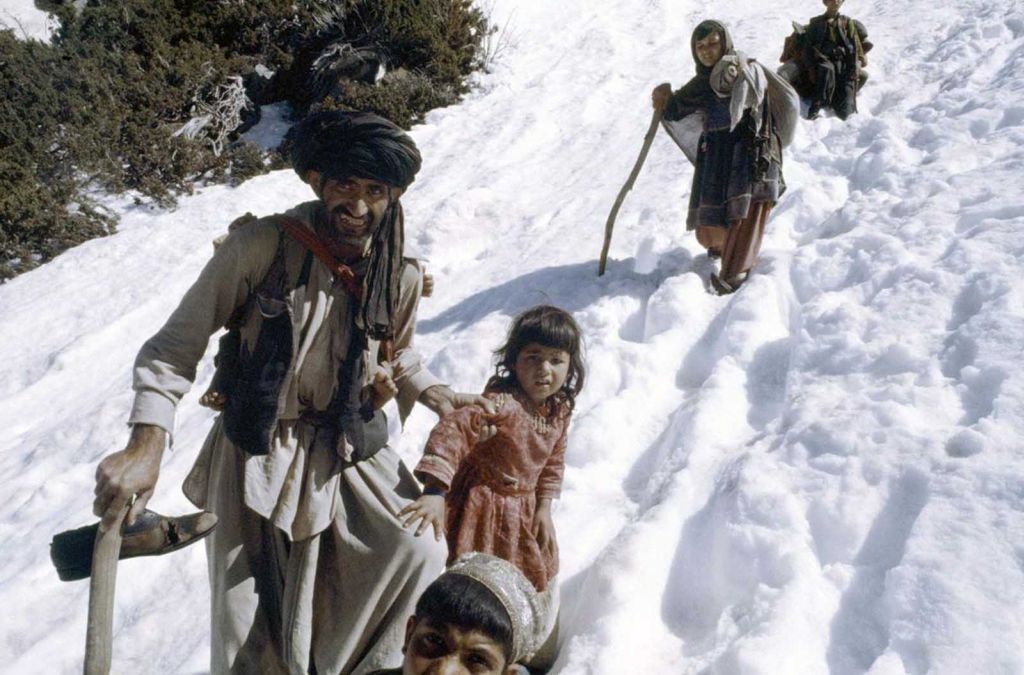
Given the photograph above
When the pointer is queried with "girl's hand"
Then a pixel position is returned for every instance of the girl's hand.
(429, 510)
(660, 95)
(544, 529)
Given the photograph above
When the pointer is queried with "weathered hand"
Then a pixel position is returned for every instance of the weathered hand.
(384, 387)
(129, 473)
(461, 400)
(429, 510)
(428, 284)
(660, 95)
(544, 529)
(442, 400)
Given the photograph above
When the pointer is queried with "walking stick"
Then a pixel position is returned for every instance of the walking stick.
(98, 635)
(608, 226)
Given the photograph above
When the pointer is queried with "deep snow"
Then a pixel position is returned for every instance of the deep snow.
(821, 473)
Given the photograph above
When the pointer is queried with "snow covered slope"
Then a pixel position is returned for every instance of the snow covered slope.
(821, 473)
(27, 22)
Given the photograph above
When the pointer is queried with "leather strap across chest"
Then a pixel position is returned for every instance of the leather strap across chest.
(309, 239)
(352, 284)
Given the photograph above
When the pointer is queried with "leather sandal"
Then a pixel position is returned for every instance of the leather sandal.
(150, 534)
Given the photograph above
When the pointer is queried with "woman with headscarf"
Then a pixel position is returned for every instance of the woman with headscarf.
(732, 120)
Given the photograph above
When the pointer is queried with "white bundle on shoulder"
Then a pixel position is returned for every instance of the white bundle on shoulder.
(746, 82)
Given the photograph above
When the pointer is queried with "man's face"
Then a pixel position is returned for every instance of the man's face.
(832, 6)
(448, 650)
(355, 206)
(709, 49)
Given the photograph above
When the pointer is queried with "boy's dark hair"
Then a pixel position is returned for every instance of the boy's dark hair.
(459, 600)
(548, 326)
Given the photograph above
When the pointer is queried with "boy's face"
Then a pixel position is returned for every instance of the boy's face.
(448, 650)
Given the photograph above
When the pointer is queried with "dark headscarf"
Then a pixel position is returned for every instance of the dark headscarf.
(340, 144)
(704, 29)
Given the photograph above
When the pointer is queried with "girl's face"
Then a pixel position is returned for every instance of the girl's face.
(432, 650)
(541, 371)
(709, 49)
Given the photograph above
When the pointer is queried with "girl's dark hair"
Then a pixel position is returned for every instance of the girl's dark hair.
(548, 326)
(706, 28)
(458, 600)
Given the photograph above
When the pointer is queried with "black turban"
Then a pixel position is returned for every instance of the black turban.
(339, 144)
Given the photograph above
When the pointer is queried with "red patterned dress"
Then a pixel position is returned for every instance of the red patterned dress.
(494, 486)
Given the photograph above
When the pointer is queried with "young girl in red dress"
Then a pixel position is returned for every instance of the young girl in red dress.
(490, 478)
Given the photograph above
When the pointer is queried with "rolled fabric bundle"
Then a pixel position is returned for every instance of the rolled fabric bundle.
(723, 75)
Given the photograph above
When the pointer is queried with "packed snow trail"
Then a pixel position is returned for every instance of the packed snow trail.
(820, 473)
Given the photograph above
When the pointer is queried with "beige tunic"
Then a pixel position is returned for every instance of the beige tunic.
(325, 571)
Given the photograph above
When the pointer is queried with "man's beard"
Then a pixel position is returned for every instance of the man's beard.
(344, 233)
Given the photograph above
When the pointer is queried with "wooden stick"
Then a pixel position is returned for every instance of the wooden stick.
(99, 631)
(608, 226)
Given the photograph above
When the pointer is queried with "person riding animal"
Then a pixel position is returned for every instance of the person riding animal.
(825, 61)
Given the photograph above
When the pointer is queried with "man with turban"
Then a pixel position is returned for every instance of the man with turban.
(310, 569)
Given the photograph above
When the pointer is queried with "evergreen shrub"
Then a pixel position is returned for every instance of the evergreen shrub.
(146, 96)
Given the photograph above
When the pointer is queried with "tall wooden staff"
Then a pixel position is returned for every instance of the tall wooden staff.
(608, 226)
(99, 631)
